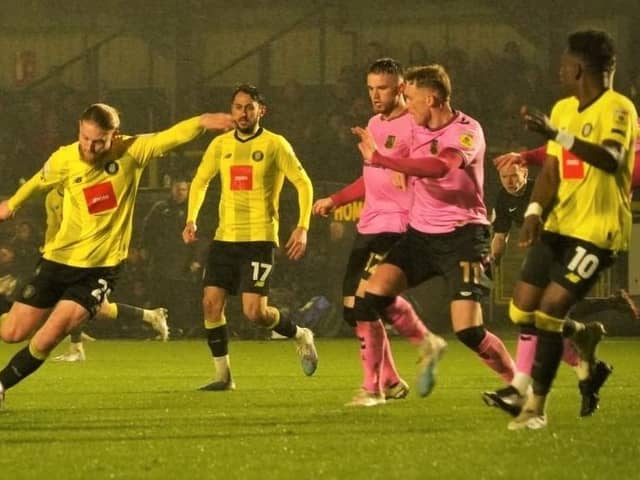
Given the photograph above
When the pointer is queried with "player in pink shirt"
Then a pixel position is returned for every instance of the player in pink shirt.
(448, 232)
(383, 219)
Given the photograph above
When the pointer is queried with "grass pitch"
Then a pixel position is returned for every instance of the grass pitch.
(131, 411)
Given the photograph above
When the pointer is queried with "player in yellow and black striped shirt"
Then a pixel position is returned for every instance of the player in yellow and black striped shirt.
(99, 175)
(252, 163)
(156, 317)
(585, 185)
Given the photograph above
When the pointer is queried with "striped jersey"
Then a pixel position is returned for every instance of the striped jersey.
(98, 200)
(592, 204)
(251, 172)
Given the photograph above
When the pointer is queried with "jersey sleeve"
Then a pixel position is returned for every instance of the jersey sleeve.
(54, 172)
(208, 168)
(469, 142)
(296, 174)
(146, 147)
(619, 124)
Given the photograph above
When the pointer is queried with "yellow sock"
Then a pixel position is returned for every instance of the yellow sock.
(109, 310)
(211, 324)
(36, 353)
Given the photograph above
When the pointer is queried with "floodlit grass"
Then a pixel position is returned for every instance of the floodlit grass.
(131, 411)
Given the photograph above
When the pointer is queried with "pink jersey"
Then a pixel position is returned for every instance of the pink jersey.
(386, 208)
(441, 205)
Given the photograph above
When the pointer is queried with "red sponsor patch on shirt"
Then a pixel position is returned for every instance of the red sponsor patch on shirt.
(572, 166)
(241, 177)
(100, 197)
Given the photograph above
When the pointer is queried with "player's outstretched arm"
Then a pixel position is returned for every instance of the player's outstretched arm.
(5, 211)
(323, 206)
(608, 156)
(219, 122)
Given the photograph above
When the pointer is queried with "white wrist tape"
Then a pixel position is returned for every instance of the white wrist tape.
(565, 139)
(534, 208)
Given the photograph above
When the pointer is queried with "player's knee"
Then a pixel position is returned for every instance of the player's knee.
(472, 337)
(212, 307)
(520, 317)
(349, 315)
(10, 331)
(372, 307)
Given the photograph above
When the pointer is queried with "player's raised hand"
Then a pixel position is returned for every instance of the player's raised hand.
(216, 121)
(538, 122)
(5, 212)
(323, 206)
(508, 159)
(530, 231)
(367, 145)
(189, 233)
(297, 244)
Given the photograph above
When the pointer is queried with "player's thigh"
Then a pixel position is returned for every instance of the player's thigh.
(460, 256)
(87, 288)
(407, 264)
(222, 267)
(256, 264)
(465, 314)
(367, 253)
(66, 316)
(578, 264)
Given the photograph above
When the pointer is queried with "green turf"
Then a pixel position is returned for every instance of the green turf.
(131, 411)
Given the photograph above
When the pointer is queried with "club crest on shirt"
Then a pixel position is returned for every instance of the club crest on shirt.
(257, 156)
(620, 116)
(587, 128)
(111, 168)
(466, 140)
(390, 141)
(433, 148)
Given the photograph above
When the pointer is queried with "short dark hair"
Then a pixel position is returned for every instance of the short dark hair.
(250, 90)
(386, 65)
(180, 178)
(595, 47)
(103, 115)
(431, 76)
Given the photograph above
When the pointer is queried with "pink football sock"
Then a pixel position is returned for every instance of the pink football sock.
(406, 321)
(493, 352)
(389, 374)
(371, 335)
(526, 352)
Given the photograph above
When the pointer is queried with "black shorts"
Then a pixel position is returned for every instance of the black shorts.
(367, 252)
(458, 256)
(244, 267)
(53, 281)
(575, 264)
